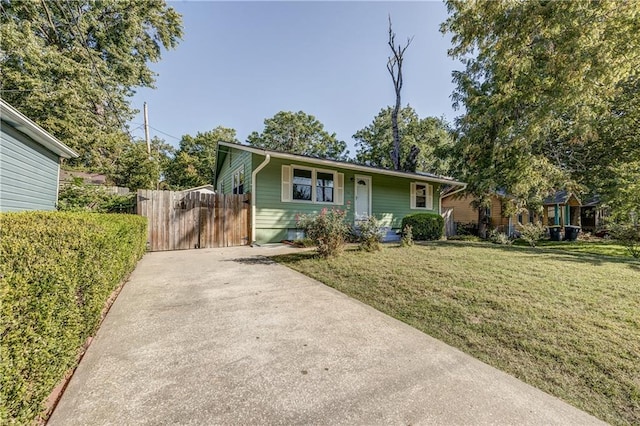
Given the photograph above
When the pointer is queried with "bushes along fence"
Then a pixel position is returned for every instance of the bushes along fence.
(57, 270)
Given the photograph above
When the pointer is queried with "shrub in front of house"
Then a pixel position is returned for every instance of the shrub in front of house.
(629, 235)
(57, 270)
(532, 233)
(424, 226)
(407, 236)
(369, 234)
(328, 230)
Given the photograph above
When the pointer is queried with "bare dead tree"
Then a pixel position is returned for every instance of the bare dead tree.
(394, 66)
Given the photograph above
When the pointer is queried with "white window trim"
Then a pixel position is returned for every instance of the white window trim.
(287, 185)
(412, 195)
(237, 173)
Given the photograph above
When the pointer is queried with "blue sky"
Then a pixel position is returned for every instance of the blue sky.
(242, 62)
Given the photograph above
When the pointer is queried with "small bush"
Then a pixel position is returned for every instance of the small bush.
(370, 234)
(499, 238)
(78, 196)
(328, 231)
(425, 226)
(407, 236)
(56, 272)
(629, 235)
(532, 233)
(466, 228)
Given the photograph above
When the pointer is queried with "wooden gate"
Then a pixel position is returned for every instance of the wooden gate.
(179, 221)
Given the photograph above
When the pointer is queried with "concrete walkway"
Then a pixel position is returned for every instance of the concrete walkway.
(224, 336)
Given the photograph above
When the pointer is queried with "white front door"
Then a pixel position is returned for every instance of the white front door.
(362, 197)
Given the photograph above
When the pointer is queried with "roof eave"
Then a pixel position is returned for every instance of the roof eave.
(343, 165)
(23, 124)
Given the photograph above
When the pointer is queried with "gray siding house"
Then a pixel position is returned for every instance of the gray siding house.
(29, 163)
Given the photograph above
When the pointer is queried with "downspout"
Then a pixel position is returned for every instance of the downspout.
(450, 194)
(253, 197)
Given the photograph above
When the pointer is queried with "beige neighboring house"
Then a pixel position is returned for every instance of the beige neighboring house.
(458, 209)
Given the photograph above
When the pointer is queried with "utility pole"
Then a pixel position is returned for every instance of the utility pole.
(146, 129)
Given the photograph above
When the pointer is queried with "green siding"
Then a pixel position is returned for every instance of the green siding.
(231, 161)
(390, 199)
(28, 173)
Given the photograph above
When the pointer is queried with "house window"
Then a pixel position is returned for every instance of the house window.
(312, 185)
(421, 196)
(324, 187)
(238, 181)
(302, 184)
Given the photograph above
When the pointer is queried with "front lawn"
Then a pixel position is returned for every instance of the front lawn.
(604, 247)
(565, 322)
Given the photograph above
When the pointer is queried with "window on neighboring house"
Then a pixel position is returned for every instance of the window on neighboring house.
(302, 184)
(312, 185)
(421, 196)
(238, 181)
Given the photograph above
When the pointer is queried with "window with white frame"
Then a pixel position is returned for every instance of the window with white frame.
(238, 181)
(324, 187)
(302, 184)
(421, 196)
(306, 184)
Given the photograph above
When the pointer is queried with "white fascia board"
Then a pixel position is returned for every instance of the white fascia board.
(23, 124)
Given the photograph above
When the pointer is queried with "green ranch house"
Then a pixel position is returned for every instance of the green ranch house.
(284, 185)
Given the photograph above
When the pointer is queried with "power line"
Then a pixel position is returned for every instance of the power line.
(157, 130)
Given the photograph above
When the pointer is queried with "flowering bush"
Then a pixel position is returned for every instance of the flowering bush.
(370, 234)
(328, 230)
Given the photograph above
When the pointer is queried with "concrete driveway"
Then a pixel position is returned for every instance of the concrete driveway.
(225, 336)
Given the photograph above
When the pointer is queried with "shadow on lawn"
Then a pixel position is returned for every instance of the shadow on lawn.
(555, 253)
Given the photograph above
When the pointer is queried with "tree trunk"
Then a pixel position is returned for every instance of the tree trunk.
(394, 66)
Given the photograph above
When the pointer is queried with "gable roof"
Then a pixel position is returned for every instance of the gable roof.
(342, 164)
(560, 197)
(23, 124)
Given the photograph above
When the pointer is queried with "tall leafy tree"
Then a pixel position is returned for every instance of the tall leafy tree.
(431, 135)
(138, 169)
(298, 133)
(72, 65)
(549, 90)
(194, 162)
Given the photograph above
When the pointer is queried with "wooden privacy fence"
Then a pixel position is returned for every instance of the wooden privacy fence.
(179, 221)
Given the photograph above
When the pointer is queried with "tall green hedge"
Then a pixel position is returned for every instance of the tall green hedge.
(425, 226)
(57, 270)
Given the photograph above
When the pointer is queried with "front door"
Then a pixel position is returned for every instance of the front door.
(362, 197)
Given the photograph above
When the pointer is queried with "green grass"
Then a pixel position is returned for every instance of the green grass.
(565, 322)
(600, 247)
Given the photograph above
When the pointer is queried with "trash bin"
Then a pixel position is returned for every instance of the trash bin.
(554, 233)
(571, 232)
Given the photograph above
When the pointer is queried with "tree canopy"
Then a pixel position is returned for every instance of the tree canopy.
(431, 135)
(71, 66)
(194, 162)
(298, 133)
(550, 91)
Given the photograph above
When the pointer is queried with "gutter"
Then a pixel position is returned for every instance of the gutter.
(450, 194)
(253, 197)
